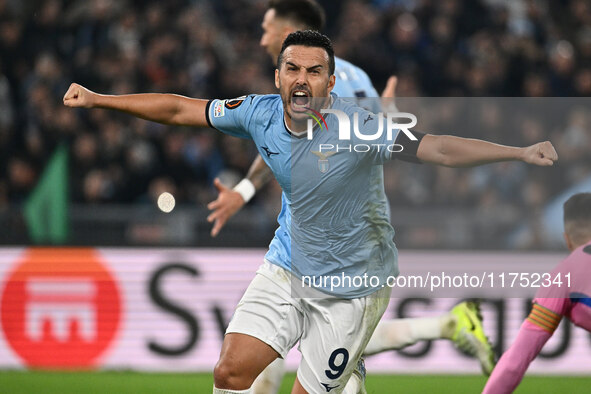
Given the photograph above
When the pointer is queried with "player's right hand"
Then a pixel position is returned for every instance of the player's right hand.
(389, 95)
(79, 96)
(224, 207)
(390, 89)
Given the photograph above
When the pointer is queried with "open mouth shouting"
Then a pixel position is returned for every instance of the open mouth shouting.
(300, 100)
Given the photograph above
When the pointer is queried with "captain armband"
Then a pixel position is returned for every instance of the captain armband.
(544, 318)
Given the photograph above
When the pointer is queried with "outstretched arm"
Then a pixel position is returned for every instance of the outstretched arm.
(533, 334)
(510, 369)
(453, 151)
(162, 108)
(230, 201)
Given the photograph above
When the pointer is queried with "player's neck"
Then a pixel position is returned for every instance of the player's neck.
(292, 130)
(294, 127)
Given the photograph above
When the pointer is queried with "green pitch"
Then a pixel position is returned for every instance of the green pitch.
(12, 382)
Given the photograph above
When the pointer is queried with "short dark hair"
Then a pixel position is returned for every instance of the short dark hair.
(309, 38)
(577, 216)
(307, 13)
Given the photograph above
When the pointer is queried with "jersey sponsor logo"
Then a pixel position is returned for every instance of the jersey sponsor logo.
(323, 164)
(328, 387)
(269, 152)
(234, 103)
(60, 308)
(218, 109)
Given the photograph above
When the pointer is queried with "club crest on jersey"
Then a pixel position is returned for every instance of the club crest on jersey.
(234, 103)
(323, 165)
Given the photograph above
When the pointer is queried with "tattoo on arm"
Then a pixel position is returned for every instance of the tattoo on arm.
(259, 173)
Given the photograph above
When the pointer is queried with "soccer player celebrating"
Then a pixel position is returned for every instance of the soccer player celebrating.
(572, 300)
(282, 18)
(463, 323)
(317, 237)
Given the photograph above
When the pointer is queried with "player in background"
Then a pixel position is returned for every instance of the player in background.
(463, 324)
(572, 300)
(268, 321)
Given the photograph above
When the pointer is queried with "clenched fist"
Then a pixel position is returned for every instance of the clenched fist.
(541, 154)
(79, 96)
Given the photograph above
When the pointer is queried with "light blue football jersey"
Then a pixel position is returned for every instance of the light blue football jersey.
(350, 82)
(335, 219)
(353, 82)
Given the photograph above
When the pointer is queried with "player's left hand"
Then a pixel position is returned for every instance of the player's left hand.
(224, 207)
(541, 154)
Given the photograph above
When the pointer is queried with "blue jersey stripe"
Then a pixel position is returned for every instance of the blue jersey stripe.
(580, 298)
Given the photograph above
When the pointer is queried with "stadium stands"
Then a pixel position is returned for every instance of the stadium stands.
(476, 48)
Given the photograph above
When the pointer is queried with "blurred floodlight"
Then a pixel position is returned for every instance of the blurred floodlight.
(166, 202)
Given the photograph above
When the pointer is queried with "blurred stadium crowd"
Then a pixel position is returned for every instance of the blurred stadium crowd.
(207, 49)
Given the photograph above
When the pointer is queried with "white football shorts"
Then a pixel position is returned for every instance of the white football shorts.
(332, 332)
